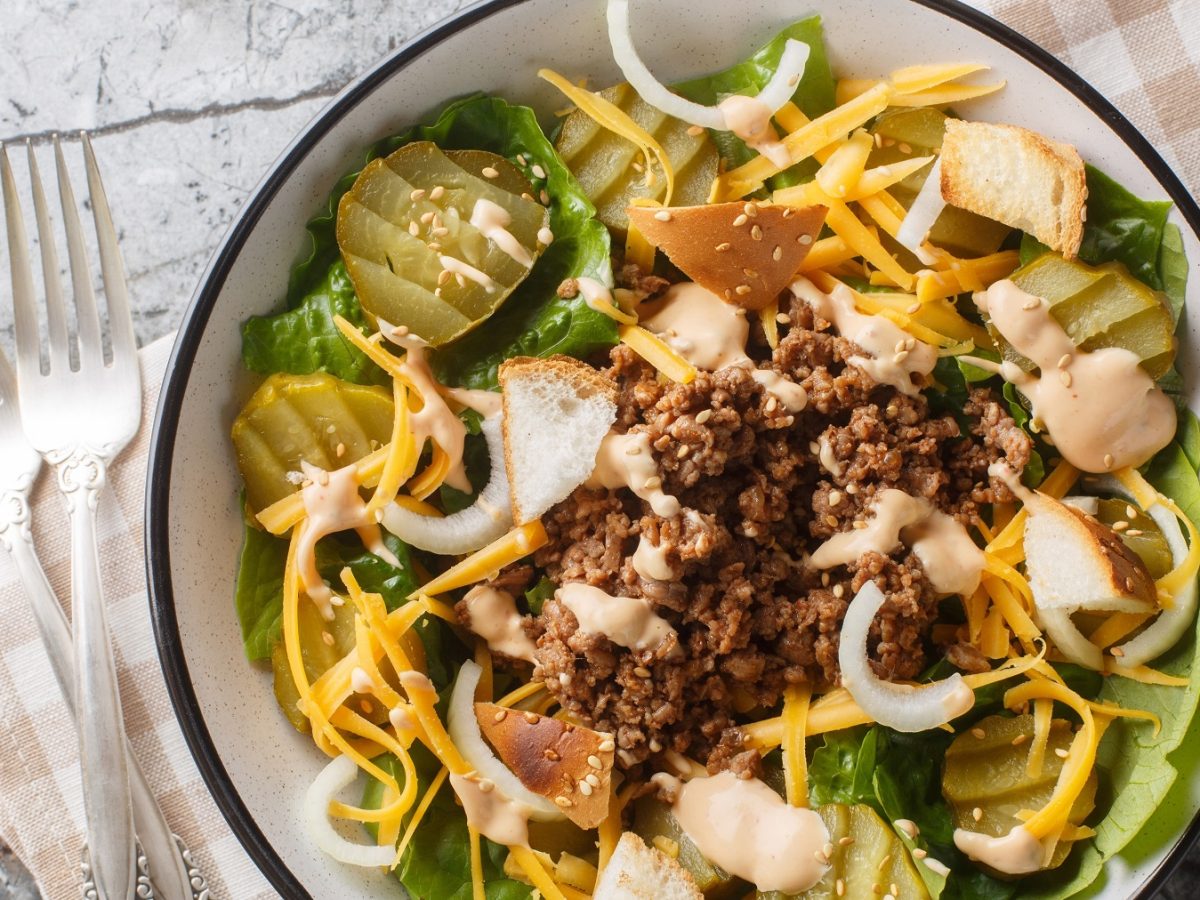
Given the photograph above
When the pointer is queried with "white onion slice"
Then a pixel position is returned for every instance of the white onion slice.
(1083, 503)
(1171, 624)
(923, 214)
(464, 731)
(776, 93)
(1070, 641)
(898, 706)
(487, 519)
(340, 773)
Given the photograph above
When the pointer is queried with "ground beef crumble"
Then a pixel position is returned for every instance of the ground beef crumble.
(756, 498)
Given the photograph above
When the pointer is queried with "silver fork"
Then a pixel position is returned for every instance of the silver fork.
(79, 420)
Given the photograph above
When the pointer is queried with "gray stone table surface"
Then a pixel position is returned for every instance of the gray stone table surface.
(189, 102)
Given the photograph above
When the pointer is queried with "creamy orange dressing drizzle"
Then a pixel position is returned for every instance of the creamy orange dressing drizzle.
(492, 221)
(650, 562)
(628, 621)
(491, 813)
(595, 294)
(893, 356)
(331, 504)
(468, 271)
(749, 831)
(493, 616)
(1016, 853)
(750, 119)
(1101, 409)
(625, 460)
(711, 334)
(949, 557)
(829, 462)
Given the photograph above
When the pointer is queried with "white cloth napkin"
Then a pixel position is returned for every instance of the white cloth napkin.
(41, 804)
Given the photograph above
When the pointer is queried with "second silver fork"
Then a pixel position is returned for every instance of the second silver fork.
(80, 418)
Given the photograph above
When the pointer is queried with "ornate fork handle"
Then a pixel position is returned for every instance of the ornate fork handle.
(81, 475)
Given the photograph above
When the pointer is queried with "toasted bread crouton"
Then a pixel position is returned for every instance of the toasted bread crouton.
(556, 413)
(1075, 562)
(745, 252)
(638, 872)
(566, 763)
(1017, 177)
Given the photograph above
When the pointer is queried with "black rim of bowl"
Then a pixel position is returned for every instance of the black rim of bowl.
(158, 564)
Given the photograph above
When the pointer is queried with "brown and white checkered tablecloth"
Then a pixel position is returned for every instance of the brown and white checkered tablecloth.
(1144, 55)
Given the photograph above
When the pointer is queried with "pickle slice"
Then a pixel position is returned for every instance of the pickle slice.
(306, 417)
(317, 653)
(990, 775)
(406, 214)
(868, 859)
(1142, 536)
(1099, 306)
(905, 133)
(604, 162)
(652, 818)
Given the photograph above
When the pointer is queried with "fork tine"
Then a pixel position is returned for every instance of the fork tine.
(56, 316)
(9, 415)
(29, 364)
(87, 318)
(116, 291)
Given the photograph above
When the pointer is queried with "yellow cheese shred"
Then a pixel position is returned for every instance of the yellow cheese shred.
(402, 455)
(1184, 573)
(1117, 626)
(638, 250)
(966, 274)
(833, 712)
(847, 226)
(939, 94)
(655, 351)
(612, 117)
(804, 142)
(1043, 711)
(827, 253)
(538, 876)
(477, 889)
(430, 793)
(912, 79)
(281, 515)
(840, 174)
(994, 636)
(867, 304)
(770, 325)
(1081, 756)
(1146, 675)
(795, 770)
(518, 543)
(433, 475)
(880, 178)
(610, 829)
(423, 700)
(524, 692)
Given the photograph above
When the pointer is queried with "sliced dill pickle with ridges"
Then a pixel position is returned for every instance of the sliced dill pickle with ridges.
(394, 227)
(305, 417)
(508, 178)
(1099, 306)
(318, 656)
(603, 161)
(991, 775)
(1146, 541)
(868, 864)
(652, 818)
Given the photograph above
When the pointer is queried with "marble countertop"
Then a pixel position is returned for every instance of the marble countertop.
(188, 103)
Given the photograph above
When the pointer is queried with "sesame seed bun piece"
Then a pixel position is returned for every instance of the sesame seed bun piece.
(556, 413)
(744, 252)
(1017, 177)
(554, 759)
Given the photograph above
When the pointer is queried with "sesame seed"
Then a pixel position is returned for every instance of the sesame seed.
(327, 638)
(538, 171)
(564, 802)
(852, 489)
(486, 785)
(663, 215)
(771, 404)
(489, 172)
(899, 345)
(440, 232)
(594, 762)
(460, 279)
(544, 196)
(703, 416)
(831, 521)
(641, 671)
(437, 192)
(895, 890)
(749, 273)
(1031, 304)
(742, 290)
(977, 814)
(1065, 378)
(427, 217)
(551, 755)
(804, 239)
(1108, 460)
(900, 357)
(919, 853)
(340, 450)
(824, 579)
(418, 194)
(840, 887)
(845, 841)
(1120, 526)
(741, 220)
(1117, 651)
(905, 148)
(783, 319)
(821, 857)
(750, 209)
(682, 451)
(500, 716)
(695, 130)
(915, 308)
(839, 591)
(722, 247)
(885, 862)
(444, 277)
(653, 483)
(756, 232)
(827, 849)
(1064, 360)
(607, 746)
(777, 253)
(1131, 512)
(978, 733)
(1061, 753)
(592, 779)
(585, 789)
(1019, 740)
(528, 196)
(860, 524)
(414, 229)
(835, 497)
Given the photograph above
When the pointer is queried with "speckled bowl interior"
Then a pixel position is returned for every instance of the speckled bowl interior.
(254, 762)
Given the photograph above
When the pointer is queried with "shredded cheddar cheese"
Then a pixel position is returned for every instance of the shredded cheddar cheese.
(795, 770)
(655, 351)
(515, 545)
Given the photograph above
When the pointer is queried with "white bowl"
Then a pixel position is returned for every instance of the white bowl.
(255, 764)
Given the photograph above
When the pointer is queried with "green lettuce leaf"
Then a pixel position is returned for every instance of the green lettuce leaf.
(814, 92)
(437, 862)
(1173, 268)
(304, 339)
(842, 768)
